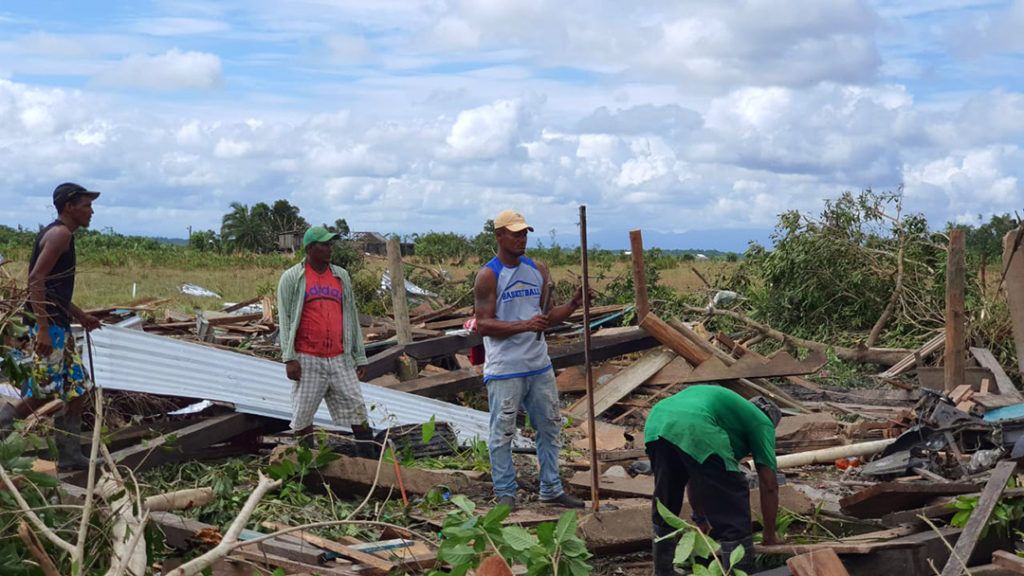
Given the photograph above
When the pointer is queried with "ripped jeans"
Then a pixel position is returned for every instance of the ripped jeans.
(540, 398)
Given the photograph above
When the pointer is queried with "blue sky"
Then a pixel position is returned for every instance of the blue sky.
(696, 121)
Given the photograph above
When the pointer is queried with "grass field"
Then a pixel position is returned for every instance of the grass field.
(101, 286)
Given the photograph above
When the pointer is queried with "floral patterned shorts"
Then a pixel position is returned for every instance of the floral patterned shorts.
(59, 375)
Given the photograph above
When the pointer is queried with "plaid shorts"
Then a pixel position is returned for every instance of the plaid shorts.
(59, 375)
(330, 379)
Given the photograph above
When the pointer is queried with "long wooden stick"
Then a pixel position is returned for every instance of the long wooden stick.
(594, 471)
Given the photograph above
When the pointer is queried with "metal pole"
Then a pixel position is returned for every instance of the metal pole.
(594, 471)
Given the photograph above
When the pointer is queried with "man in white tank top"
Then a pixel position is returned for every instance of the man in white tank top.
(517, 369)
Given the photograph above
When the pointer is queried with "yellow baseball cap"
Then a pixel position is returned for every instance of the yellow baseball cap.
(512, 221)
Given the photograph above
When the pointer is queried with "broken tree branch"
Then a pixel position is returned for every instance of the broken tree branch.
(881, 356)
(179, 500)
(31, 515)
(35, 548)
(230, 540)
(126, 528)
(894, 298)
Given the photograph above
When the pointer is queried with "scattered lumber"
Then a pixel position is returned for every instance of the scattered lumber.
(913, 360)
(1003, 382)
(373, 564)
(606, 395)
(875, 501)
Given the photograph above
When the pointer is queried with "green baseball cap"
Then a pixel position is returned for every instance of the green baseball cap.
(317, 234)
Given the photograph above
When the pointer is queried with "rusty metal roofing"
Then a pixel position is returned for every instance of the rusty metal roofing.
(138, 362)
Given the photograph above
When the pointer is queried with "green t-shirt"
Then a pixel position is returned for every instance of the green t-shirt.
(704, 420)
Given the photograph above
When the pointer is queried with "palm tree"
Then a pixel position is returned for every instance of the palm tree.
(248, 229)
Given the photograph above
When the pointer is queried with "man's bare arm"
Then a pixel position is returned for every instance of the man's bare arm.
(485, 302)
(558, 314)
(54, 243)
(768, 486)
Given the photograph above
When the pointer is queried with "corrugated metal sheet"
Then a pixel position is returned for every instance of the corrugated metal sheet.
(139, 362)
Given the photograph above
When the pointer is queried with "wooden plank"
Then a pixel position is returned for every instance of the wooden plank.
(817, 563)
(242, 304)
(186, 442)
(442, 385)
(750, 366)
(373, 564)
(743, 386)
(956, 316)
(880, 499)
(1009, 561)
(383, 362)
(602, 347)
(1003, 383)
(442, 345)
(574, 378)
(1013, 264)
(623, 383)
(909, 362)
(979, 517)
(294, 567)
(937, 509)
(636, 243)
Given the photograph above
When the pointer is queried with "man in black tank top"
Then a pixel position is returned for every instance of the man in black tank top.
(57, 370)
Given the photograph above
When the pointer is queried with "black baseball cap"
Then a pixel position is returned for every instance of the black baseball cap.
(68, 191)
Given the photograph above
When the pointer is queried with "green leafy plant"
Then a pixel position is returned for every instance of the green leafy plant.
(1006, 516)
(549, 548)
(695, 548)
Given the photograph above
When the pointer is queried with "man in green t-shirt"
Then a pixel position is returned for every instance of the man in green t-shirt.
(696, 439)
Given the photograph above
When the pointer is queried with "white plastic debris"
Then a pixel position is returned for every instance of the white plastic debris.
(198, 291)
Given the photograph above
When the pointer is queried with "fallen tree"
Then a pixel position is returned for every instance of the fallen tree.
(880, 356)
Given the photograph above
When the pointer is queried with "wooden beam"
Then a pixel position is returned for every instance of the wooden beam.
(375, 565)
(383, 362)
(442, 385)
(442, 345)
(875, 501)
(956, 318)
(1008, 561)
(696, 351)
(186, 443)
(601, 347)
(817, 563)
(1013, 264)
(1003, 383)
(623, 383)
(398, 298)
(636, 243)
(979, 518)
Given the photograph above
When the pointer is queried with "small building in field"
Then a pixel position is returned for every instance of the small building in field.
(290, 242)
(377, 244)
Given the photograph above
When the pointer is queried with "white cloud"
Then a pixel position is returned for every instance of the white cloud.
(485, 132)
(172, 70)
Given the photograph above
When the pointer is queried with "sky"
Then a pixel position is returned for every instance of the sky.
(697, 122)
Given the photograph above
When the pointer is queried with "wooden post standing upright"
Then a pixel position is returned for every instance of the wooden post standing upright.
(636, 246)
(1013, 265)
(595, 471)
(956, 320)
(398, 298)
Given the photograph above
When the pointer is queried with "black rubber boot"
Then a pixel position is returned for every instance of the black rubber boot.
(67, 433)
(366, 446)
(663, 552)
(7, 416)
(747, 563)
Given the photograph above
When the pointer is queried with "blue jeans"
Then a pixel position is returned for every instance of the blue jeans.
(540, 398)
